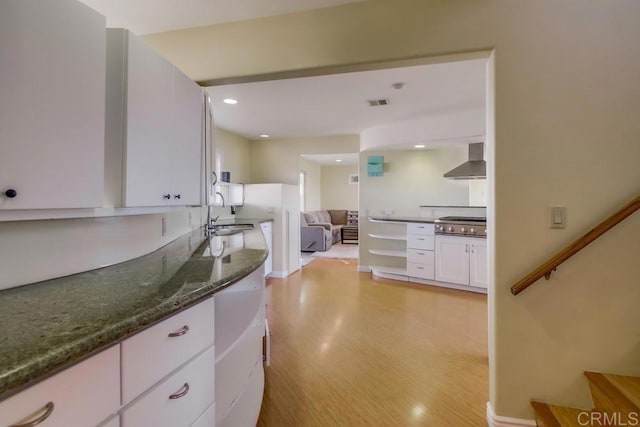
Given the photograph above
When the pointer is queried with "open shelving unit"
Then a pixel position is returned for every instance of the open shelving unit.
(389, 252)
(388, 236)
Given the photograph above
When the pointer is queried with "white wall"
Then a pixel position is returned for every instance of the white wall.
(232, 155)
(31, 251)
(564, 133)
(411, 178)
(278, 160)
(313, 189)
(337, 192)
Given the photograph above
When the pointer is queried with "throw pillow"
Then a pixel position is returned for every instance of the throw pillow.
(352, 218)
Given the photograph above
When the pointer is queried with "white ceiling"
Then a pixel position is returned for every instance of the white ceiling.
(337, 104)
(346, 159)
(155, 16)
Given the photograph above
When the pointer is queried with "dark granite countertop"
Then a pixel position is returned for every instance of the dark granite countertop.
(403, 219)
(48, 326)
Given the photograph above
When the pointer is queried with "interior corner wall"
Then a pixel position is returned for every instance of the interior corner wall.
(337, 191)
(314, 188)
(277, 160)
(232, 155)
(566, 134)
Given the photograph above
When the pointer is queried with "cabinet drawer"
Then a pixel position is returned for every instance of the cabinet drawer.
(232, 371)
(420, 228)
(246, 409)
(208, 419)
(152, 354)
(179, 400)
(420, 256)
(420, 242)
(113, 422)
(422, 271)
(83, 395)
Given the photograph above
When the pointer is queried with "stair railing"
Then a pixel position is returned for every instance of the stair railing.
(552, 264)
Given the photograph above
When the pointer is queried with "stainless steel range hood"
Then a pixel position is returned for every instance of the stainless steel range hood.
(474, 168)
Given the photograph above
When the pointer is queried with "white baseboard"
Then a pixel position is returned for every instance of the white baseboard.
(364, 268)
(279, 274)
(494, 420)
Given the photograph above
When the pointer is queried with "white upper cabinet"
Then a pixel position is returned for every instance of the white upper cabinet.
(154, 117)
(149, 134)
(187, 146)
(52, 74)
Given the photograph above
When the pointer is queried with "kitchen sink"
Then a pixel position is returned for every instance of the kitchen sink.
(224, 230)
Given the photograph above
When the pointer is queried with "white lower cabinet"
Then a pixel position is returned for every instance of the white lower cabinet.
(246, 409)
(233, 367)
(84, 395)
(152, 354)
(113, 422)
(461, 260)
(178, 400)
(478, 275)
(240, 328)
(267, 231)
(208, 419)
(420, 245)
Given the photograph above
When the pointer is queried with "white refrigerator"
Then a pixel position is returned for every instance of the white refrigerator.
(281, 203)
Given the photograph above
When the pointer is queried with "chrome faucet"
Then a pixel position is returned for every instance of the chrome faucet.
(222, 197)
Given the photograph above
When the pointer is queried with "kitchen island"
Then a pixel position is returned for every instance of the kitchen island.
(411, 250)
(53, 325)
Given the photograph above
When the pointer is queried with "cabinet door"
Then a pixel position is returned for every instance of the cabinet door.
(452, 260)
(179, 399)
(478, 263)
(149, 130)
(186, 143)
(177, 339)
(82, 395)
(52, 77)
(267, 230)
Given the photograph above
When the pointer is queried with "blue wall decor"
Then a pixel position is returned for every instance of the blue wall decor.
(375, 165)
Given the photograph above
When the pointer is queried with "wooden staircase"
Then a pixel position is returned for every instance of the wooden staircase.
(616, 401)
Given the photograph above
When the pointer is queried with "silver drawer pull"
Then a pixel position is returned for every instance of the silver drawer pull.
(420, 253)
(179, 333)
(420, 268)
(48, 410)
(179, 394)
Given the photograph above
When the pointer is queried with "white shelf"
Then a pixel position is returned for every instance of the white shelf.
(387, 252)
(394, 273)
(381, 221)
(388, 236)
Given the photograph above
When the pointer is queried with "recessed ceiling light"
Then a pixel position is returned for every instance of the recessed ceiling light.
(419, 146)
(264, 135)
(230, 101)
(338, 160)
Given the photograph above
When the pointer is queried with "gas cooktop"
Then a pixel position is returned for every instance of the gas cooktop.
(463, 218)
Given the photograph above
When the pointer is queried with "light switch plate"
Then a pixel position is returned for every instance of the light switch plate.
(558, 217)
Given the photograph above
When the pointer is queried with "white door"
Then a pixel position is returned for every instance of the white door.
(452, 259)
(52, 105)
(186, 144)
(268, 237)
(478, 263)
(149, 130)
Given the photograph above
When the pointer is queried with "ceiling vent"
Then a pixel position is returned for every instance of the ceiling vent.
(378, 102)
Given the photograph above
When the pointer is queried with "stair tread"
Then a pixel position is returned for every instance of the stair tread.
(629, 386)
(548, 415)
(614, 392)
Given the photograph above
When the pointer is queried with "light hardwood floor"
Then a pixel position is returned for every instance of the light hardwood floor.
(349, 350)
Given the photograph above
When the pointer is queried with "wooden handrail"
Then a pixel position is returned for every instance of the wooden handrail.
(548, 267)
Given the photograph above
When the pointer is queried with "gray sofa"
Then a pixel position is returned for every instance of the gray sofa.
(320, 229)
